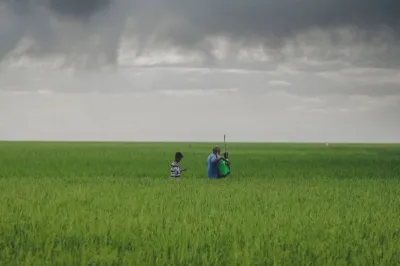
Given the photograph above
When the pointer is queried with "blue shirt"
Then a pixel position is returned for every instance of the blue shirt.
(212, 166)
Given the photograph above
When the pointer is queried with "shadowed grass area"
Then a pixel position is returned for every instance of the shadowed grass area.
(113, 203)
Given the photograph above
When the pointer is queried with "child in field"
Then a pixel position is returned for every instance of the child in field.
(175, 171)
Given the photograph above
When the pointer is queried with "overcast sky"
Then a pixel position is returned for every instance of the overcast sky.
(174, 70)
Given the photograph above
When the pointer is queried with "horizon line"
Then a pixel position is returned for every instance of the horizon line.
(196, 142)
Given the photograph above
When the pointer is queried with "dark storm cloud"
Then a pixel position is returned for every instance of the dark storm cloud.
(281, 18)
(78, 8)
(94, 29)
(74, 8)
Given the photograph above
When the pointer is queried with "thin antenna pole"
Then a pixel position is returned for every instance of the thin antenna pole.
(225, 141)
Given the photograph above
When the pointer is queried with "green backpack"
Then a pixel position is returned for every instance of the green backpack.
(224, 168)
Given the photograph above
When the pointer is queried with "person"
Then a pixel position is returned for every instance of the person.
(224, 166)
(175, 170)
(212, 162)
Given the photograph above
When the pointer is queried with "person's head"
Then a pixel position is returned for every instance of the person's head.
(226, 155)
(178, 156)
(216, 150)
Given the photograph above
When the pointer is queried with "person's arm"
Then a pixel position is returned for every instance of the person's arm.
(215, 159)
(180, 170)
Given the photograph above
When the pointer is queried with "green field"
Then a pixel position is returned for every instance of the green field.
(284, 204)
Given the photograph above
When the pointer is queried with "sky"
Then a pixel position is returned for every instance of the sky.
(174, 70)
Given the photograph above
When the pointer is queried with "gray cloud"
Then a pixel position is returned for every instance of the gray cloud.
(357, 82)
(78, 8)
(90, 32)
(74, 8)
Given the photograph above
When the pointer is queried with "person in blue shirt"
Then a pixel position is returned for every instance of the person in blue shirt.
(212, 162)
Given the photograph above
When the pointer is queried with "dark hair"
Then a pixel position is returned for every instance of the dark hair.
(178, 155)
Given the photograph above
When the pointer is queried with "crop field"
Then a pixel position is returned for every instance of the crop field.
(284, 204)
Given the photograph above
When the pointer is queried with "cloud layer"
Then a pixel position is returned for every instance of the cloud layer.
(91, 33)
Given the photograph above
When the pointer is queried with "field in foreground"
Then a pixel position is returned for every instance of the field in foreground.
(113, 204)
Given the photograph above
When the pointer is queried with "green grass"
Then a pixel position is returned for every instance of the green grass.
(113, 204)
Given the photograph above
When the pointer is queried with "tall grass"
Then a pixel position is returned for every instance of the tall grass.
(113, 204)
